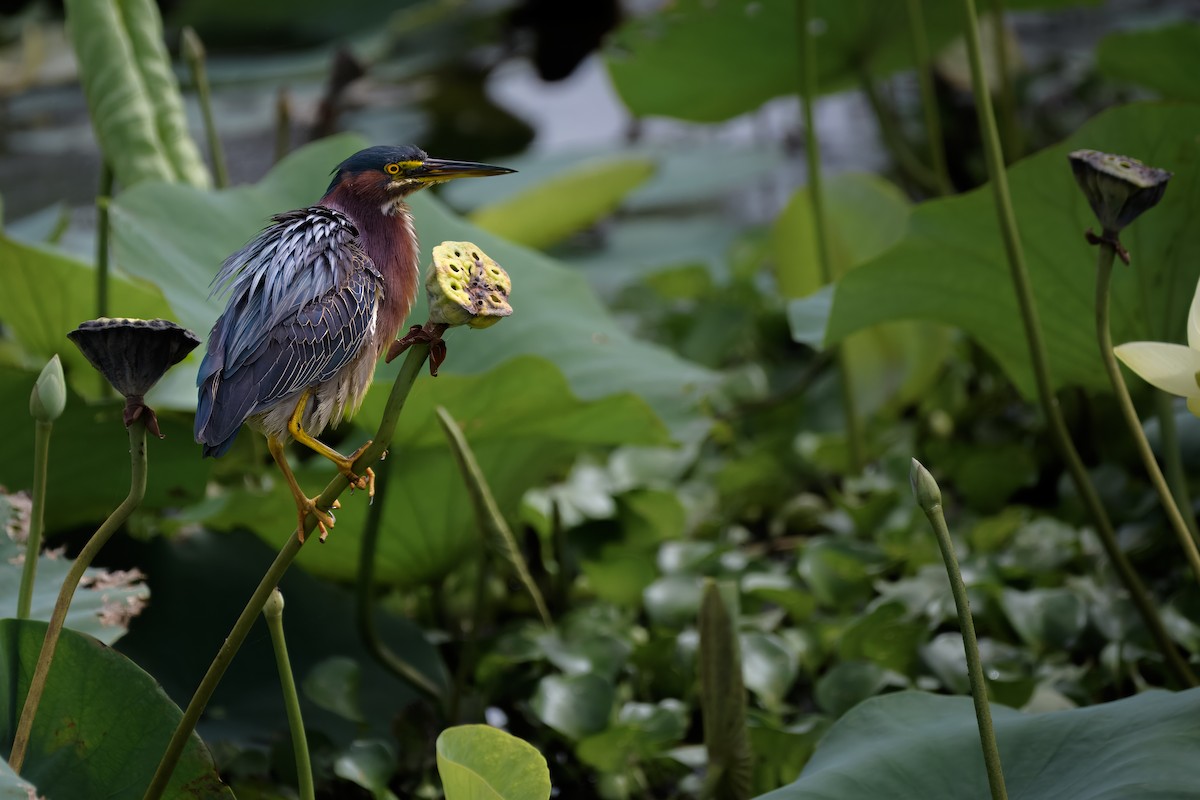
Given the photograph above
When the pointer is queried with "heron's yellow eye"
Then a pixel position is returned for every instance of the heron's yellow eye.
(392, 169)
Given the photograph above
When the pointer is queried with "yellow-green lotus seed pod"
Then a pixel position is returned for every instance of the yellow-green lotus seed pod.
(466, 287)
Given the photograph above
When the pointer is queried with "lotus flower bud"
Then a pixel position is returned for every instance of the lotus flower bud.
(49, 395)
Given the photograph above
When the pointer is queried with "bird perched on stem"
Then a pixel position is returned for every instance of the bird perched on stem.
(313, 301)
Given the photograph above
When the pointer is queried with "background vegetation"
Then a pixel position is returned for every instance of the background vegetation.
(663, 421)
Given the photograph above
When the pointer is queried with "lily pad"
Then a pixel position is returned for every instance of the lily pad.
(479, 761)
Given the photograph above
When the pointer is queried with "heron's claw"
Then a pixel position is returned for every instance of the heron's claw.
(364, 481)
(325, 520)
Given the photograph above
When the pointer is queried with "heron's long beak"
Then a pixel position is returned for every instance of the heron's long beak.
(439, 169)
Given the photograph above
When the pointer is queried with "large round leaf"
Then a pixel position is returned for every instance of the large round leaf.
(102, 724)
(915, 746)
(479, 762)
(951, 266)
(1163, 59)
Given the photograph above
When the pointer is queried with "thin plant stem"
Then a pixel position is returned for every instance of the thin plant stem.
(409, 370)
(1175, 663)
(1104, 269)
(273, 613)
(283, 124)
(37, 684)
(364, 593)
(487, 514)
(193, 54)
(37, 517)
(103, 198)
(808, 90)
(896, 145)
(467, 655)
(1009, 130)
(929, 106)
(930, 498)
(1173, 458)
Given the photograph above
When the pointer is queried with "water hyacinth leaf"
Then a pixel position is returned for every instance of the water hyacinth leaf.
(912, 745)
(96, 701)
(333, 684)
(1165, 60)
(1046, 619)
(848, 683)
(887, 636)
(176, 237)
(1149, 300)
(479, 762)
(641, 731)
(769, 667)
(368, 763)
(567, 203)
(102, 606)
(574, 705)
(134, 100)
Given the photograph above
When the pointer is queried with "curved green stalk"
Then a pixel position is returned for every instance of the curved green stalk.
(929, 496)
(808, 90)
(1175, 663)
(37, 684)
(364, 591)
(894, 141)
(273, 612)
(254, 606)
(1104, 268)
(102, 230)
(487, 513)
(37, 517)
(1171, 455)
(1010, 131)
(929, 106)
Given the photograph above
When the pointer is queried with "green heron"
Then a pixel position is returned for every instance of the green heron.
(313, 301)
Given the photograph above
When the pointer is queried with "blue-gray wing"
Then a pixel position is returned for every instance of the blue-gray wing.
(303, 298)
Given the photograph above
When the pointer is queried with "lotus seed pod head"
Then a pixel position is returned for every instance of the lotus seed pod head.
(466, 287)
(1118, 188)
(924, 487)
(133, 354)
(49, 395)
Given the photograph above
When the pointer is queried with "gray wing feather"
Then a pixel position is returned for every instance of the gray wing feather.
(302, 302)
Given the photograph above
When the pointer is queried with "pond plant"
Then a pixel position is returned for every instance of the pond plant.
(672, 529)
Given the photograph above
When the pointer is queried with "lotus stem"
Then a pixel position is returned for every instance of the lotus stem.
(929, 106)
(273, 612)
(37, 517)
(194, 55)
(1175, 663)
(1169, 433)
(37, 684)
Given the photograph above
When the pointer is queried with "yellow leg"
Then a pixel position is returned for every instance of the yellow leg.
(305, 505)
(345, 464)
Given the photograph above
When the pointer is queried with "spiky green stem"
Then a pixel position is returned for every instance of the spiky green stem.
(409, 370)
(273, 613)
(1104, 268)
(929, 497)
(1178, 668)
(808, 90)
(37, 517)
(1169, 436)
(37, 684)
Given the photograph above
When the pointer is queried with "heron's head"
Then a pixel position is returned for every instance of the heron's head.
(386, 174)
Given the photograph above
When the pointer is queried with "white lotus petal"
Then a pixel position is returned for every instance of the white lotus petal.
(1170, 367)
(1193, 323)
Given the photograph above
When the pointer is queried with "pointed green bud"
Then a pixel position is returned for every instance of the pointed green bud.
(1118, 188)
(49, 396)
(924, 487)
(466, 287)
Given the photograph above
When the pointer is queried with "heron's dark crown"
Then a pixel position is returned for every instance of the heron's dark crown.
(376, 158)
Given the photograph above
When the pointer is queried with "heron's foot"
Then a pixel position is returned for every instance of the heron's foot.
(364, 481)
(431, 334)
(325, 520)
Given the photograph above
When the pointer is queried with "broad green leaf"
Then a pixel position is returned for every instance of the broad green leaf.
(848, 683)
(951, 267)
(89, 455)
(370, 763)
(865, 215)
(102, 723)
(888, 636)
(839, 572)
(136, 108)
(103, 604)
(176, 237)
(333, 684)
(709, 61)
(479, 762)
(914, 746)
(723, 699)
(1165, 60)
(524, 426)
(567, 203)
(49, 293)
(574, 705)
